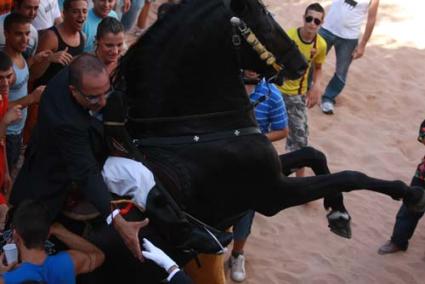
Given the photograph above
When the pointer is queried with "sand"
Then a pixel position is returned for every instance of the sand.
(374, 130)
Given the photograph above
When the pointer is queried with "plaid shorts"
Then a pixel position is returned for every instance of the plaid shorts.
(297, 122)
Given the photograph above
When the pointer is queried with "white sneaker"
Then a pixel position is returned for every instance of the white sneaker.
(237, 268)
(327, 107)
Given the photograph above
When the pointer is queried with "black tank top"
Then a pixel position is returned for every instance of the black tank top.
(54, 68)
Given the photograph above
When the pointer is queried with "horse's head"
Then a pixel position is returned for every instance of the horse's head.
(266, 48)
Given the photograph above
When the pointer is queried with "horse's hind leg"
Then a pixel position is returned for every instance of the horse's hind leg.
(316, 160)
(288, 192)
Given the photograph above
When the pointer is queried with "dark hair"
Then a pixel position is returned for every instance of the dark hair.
(15, 18)
(32, 223)
(5, 61)
(109, 25)
(315, 7)
(67, 4)
(85, 63)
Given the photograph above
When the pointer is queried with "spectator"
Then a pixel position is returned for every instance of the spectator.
(129, 18)
(17, 30)
(270, 113)
(48, 15)
(6, 6)
(64, 41)
(109, 42)
(101, 9)
(295, 93)
(142, 19)
(30, 223)
(28, 9)
(406, 220)
(341, 29)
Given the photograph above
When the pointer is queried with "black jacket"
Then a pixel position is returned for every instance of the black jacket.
(67, 146)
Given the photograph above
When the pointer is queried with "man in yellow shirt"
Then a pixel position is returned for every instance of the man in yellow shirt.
(295, 93)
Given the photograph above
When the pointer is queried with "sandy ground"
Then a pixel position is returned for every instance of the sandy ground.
(374, 130)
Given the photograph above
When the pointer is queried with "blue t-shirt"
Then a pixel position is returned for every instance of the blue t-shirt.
(90, 28)
(16, 92)
(270, 113)
(56, 269)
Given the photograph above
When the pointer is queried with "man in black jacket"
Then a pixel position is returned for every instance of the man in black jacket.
(67, 146)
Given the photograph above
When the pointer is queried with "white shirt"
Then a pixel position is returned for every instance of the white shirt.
(48, 11)
(126, 177)
(345, 18)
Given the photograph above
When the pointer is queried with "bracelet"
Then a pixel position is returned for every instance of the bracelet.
(112, 216)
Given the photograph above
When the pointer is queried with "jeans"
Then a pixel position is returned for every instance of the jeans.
(13, 149)
(242, 229)
(344, 49)
(406, 221)
(128, 19)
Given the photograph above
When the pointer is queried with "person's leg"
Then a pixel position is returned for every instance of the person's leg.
(344, 49)
(297, 124)
(128, 19)
(241, 232)
(328, 37)
(406, 222)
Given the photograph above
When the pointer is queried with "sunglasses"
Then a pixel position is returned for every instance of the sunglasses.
(309, 19)
(94, 99)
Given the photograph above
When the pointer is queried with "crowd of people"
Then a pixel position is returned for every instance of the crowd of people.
(79, 43)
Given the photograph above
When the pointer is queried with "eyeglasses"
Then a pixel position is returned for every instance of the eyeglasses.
(94, 99)
(309, 19)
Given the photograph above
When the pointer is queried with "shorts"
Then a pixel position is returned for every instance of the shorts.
(297, 122)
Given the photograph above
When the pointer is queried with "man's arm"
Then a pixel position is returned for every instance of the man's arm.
(85, 255)
(32, 98)
(370, 24)
(84, 170)
(313, 94)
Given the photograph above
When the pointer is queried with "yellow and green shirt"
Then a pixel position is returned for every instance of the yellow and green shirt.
(299, 86)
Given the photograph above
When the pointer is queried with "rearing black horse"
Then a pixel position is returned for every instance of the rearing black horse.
(188, 109)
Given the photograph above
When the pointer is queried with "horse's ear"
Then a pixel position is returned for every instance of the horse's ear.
(237, 5)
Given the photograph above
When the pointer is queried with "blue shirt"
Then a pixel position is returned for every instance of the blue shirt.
(270, 113)
(16, 92)
(90, 28)
(56, 269)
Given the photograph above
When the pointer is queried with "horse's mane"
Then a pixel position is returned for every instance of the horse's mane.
(185, 63)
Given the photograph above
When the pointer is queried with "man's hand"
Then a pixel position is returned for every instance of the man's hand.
(157, 255)
(62, 57)
(13, 115)
(126, 6)
(42, 56)
(5, 268)
(7, 184)
(36, 94)
(358, 51)
(129, 232)
(312, 97)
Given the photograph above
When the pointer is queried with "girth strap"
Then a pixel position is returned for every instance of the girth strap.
(199, 138)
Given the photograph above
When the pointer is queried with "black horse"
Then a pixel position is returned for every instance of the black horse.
(191, 117)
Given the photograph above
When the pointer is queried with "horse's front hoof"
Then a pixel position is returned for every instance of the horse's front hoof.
(339, 223)
(416, 202)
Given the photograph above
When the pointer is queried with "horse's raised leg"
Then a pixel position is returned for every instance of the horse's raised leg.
(289, 192)
(316, 160)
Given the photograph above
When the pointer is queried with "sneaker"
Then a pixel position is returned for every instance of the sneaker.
(389, 247)
(237, 268)
(327, 107)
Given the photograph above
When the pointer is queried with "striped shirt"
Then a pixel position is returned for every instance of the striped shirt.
(270, 113)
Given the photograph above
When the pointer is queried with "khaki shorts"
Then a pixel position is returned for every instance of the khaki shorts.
(297, 122)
